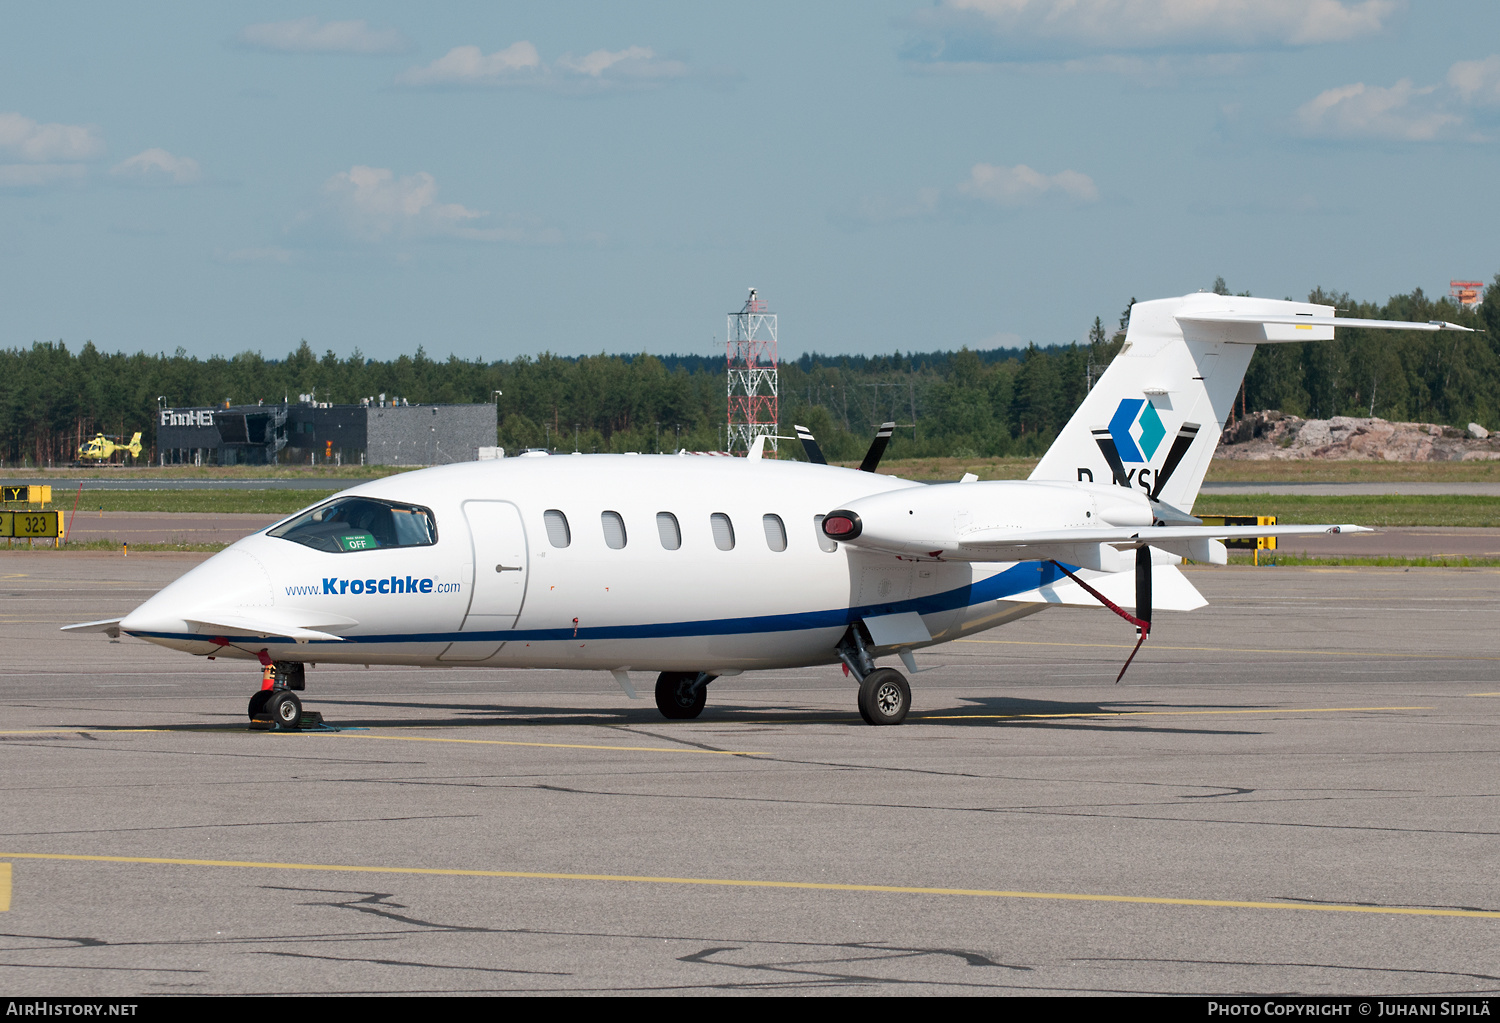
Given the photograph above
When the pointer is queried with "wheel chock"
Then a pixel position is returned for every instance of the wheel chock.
(311, 721)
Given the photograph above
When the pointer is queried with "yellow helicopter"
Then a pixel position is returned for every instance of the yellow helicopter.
(103, 448)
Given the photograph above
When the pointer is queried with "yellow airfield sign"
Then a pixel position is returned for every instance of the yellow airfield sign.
(30, 525)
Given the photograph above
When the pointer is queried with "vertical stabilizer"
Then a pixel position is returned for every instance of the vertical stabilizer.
(1153, 420)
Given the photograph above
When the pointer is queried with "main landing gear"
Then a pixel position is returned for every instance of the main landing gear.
(680, 695)
(276, 705)
(884, 695)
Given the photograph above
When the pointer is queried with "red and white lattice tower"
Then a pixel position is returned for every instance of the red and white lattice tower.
(752, 377)
(1468, 293)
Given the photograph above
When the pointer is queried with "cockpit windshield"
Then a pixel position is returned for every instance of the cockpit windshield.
(360, 524)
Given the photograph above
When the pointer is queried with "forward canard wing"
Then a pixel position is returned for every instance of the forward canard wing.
(254, 624)
(291, 623)
(109, 626)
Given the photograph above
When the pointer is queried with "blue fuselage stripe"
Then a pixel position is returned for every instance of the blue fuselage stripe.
(1018, 578)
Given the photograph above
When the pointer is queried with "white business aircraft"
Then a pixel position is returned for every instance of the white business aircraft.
(697, 568)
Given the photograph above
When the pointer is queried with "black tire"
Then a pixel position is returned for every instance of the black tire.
(258, 702)
(285, 708)
(675, 697)
(884, 697)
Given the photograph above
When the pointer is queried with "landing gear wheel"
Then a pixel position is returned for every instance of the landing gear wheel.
(675, 696)
(258, 702)
(285, 708)
(884, 697)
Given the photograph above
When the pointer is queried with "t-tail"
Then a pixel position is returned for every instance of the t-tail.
(1153, 420)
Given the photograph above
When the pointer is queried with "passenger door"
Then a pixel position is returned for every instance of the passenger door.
(499, 549)
(498, 571)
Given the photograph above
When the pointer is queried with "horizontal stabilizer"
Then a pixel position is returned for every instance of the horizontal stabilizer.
(106, 625)
(1319, 321)
(1171, 591)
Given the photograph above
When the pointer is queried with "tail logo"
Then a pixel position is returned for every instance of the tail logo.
(1135, 434)
(1133, 445)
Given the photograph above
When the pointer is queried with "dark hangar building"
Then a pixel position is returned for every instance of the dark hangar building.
(311, 433)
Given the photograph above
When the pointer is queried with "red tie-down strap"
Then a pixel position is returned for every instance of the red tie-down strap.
(1140, 623)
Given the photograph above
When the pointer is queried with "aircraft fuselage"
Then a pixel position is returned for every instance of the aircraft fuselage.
(498, 587)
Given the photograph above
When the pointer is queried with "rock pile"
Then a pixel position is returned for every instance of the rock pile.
(1265, 436)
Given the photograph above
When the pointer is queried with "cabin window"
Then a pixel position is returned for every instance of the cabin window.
(671, 533)
(825, 541)
(360, 524)
(775, 532)
(614, 529)
(557, 528)
(723, 531)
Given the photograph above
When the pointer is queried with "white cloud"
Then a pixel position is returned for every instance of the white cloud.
(1030, 30)
(158, 167)
(307, 35)
(1405, 112)
(1369, 111)
(41, 175)
(467, 65)
(521, 64)
(48, 143)
(1022, 186)
(1477, 81)
(634, 63)
(371, 204)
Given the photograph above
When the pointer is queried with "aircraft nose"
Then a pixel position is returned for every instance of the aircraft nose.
(231, 578)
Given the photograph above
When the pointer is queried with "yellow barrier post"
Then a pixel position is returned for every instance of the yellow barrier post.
(1254, 544)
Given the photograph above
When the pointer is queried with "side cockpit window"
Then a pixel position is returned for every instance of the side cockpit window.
(360, 524)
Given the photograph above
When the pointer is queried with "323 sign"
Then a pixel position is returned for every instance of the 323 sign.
(29, 525)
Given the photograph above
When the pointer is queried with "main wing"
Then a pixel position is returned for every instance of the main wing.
(1097, 548)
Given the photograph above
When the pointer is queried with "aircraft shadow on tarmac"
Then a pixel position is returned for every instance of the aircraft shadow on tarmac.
(989, 712)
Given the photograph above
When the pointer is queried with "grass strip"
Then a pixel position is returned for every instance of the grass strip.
(1361, 510)
(1271, 559)
(1313, 470)
(262, 502)
(114, 545)
(205, 472)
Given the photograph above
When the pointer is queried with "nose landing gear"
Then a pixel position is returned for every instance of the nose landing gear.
(276, 705)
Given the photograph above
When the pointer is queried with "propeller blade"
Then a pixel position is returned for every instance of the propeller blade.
(1142, 621)
(1112, 456)
(810, 445)
(1180, 445)
(1142, 603)
(1143, 585)
(877, 447)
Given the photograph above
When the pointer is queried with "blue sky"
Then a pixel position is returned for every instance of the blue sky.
(493, 180)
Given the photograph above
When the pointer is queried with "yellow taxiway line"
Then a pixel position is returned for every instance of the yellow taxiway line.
(559, 745)
(404, 738)
(1227, 650)
(986, 893)
(1157, 713)
(4, 887)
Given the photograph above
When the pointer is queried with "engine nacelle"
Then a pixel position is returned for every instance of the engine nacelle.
(932, 522)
